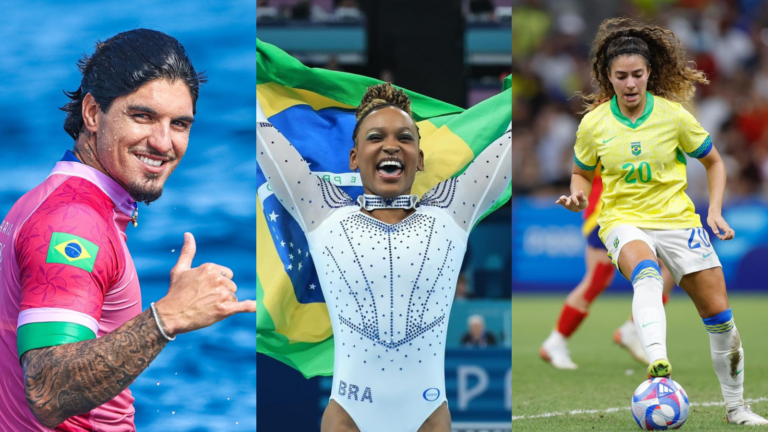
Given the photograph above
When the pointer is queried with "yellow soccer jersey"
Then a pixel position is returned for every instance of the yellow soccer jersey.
(642, 163)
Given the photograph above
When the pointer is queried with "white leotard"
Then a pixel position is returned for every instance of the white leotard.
(388, 288)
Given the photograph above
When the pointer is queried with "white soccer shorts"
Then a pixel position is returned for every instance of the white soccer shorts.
(684, 251)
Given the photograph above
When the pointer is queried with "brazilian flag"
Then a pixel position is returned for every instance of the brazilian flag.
(315, 110)
(72, 250)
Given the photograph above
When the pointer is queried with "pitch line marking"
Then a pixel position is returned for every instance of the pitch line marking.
(612, 410)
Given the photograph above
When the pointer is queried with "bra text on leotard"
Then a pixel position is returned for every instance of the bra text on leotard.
(352, 390)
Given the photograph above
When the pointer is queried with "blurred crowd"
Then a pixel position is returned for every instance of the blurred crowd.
(346, 11)
(329, 11)
(728, 40)
(477, 336)
(487, 11)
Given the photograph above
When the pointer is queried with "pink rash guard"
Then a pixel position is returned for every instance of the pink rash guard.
(65, 276)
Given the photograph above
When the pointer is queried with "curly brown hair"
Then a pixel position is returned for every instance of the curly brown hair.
(377, 97)
(672, 77)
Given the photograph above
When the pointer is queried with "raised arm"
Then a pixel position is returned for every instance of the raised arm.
(307, 198)
(468, 196)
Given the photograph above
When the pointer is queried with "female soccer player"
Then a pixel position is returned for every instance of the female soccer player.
(598, 276)
(387, 262)
(639, 138)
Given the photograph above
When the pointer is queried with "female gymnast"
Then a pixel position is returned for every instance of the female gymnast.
(388, 262)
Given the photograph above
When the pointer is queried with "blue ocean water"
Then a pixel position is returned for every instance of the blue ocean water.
(205, 380)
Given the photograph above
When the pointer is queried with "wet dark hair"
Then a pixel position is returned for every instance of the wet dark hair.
(122, 64)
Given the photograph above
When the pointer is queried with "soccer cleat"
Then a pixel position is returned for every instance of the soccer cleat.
(555, 351)
(742, 415)
(626, 337)
(660, 369)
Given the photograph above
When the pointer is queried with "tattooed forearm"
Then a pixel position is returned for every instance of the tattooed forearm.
(75, 378)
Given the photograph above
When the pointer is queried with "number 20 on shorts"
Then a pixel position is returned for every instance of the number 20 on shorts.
(703, 236)
(643, 172)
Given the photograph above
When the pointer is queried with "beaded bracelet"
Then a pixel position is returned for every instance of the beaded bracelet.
(157, 320)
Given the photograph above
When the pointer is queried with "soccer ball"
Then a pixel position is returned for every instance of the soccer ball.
(660, 404)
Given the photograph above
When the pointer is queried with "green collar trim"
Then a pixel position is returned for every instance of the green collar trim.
(624, 120)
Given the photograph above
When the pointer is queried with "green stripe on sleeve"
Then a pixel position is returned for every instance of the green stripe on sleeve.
(584, 166)
(703, 149)
(44, 334)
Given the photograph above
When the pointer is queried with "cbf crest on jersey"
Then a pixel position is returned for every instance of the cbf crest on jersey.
(635, 148)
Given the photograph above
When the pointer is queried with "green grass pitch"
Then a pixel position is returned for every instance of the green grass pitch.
(607, 375)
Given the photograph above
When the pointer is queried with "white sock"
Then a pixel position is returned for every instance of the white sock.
(555, 338)
(648, 309)
(727, 356)
(628, 324)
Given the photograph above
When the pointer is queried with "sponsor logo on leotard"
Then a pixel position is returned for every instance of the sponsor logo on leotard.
(431, 394)
(352, 391)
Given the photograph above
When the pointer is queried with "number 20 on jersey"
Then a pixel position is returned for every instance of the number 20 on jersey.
(642, 172)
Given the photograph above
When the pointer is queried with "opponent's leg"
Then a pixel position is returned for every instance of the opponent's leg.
(627, 337)
(637, 263)
(335, 419)
(438, 421)
(598, 276)
(707, 290)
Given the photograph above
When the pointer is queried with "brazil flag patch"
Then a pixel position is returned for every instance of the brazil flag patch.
(72, 250)
(635, 148)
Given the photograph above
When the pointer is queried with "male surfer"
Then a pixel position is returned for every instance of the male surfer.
(72, 332)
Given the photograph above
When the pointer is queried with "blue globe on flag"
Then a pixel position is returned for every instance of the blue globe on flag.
(73, 250)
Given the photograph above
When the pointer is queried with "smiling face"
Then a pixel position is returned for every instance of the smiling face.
(142, 138)
(629, 75)
(387, 153)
